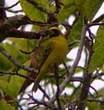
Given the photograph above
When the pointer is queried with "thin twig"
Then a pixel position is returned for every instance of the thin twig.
(100, 18)
(95, 24)
(75, 90)
(94, 90)
(6, 8)
(39, 102)
(42, 90)
(2, 73)
(84, 90)
(14, 11)
(56, 76)
(17, 21)
(2, 15)
(58, 5)
(19, 106)
(72, 69)
(67, 68)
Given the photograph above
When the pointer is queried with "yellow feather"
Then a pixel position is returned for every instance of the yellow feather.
(59, 49)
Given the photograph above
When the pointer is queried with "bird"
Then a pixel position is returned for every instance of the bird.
(56, 49)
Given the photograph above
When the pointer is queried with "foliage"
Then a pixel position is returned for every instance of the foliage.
(26, 56)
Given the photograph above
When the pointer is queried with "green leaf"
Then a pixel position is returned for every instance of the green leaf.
(68, 2)
(5, 106)
(5, 64)
(13, 50)
(68, 9)
(101, 92)
(32, 12)
(94, 105)
(14, 85)
(24, 44)
(11, 84)
(97, 58)
(76, 30)
(88, 8)
(4, 82)
(36, 28)
(20, 57)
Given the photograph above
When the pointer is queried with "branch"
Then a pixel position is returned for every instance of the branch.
(2, 12)
(100, 18)
(2, 15)
(28, 35)
(20, 34)
(8, 29)
(12, 22)
(10, 58)
(58, 5)
(56, 75)
(72, 69)
(17, 21)
(44, 92)
(14, 11)
(94, 91)
(2, 73)
(84, 91)
(95, 24)
(39, 102)
(87, 79)
(6, 8)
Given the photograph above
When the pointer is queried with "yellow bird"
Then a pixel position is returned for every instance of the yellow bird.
(57, 48)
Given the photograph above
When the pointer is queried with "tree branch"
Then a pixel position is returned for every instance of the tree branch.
(17, 21)
(12, 6)
(2, 15)
(20, 34)
(3, 73)
(39, 102)
(58, 5)
(100, 18)
(8, 28)
(56, 75)
(2, 12)
(14, 11)
(95, 24)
